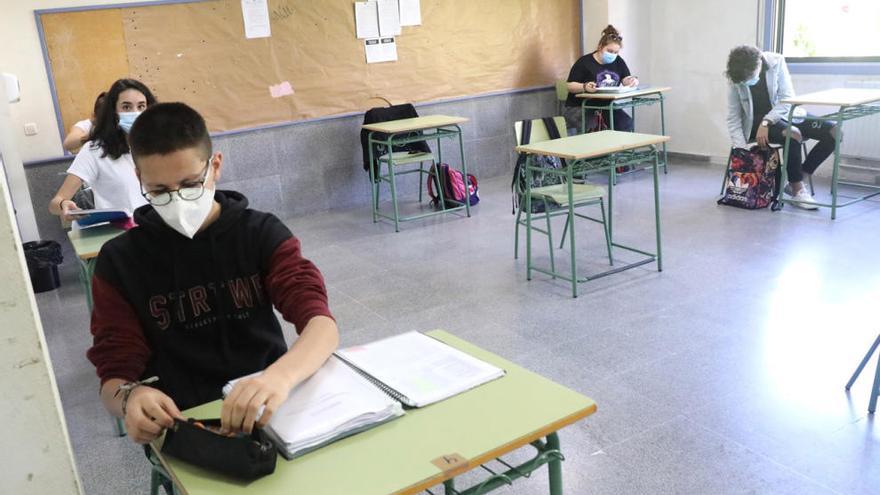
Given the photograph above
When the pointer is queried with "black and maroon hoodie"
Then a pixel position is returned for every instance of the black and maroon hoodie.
(198, 312)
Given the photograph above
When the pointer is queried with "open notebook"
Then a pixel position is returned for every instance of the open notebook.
(332, 404)
(418, 370)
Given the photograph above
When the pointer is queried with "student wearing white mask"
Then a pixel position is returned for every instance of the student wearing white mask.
(188, 295)
(105, 162)
(602, 68)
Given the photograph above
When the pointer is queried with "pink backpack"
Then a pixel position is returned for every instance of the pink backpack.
(453, 187)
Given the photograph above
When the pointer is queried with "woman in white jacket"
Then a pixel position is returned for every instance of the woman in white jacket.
(758, 84)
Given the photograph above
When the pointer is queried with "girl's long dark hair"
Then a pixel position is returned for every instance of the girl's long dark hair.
(106, 133)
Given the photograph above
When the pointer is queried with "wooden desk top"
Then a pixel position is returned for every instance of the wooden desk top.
(837, 97)
(628, 94)
(414, 124)
(591, 145)
(87, 242)
(480, 425)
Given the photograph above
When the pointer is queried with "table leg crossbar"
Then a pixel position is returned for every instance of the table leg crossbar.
(547, 453)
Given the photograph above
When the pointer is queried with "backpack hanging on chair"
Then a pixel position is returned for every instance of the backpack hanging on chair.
(518, 184)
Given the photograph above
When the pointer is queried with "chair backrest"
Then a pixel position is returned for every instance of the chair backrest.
(561, 90)
(539, 131)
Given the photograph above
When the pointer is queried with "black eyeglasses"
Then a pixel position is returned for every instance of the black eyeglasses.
(189, 193)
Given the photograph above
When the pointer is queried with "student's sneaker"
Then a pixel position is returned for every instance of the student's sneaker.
(804, 200)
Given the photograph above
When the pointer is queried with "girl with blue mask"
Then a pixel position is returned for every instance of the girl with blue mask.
(104, 162)
(602, 68)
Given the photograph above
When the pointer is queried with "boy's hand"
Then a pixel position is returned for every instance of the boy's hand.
(148, 412)
(243, 404)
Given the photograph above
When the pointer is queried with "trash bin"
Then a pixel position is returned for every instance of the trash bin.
(43, 258)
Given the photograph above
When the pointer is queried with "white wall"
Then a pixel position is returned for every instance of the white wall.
(36, 457)
(21, 55)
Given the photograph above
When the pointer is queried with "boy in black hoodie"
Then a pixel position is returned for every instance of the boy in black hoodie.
(187, 296)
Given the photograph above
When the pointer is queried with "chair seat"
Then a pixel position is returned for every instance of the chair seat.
(558, 193)
(405, 157)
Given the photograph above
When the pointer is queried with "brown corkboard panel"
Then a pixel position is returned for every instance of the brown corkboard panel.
(87, 52)
(197, 53)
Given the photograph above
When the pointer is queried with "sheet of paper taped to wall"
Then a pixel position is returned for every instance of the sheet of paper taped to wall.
(282, 89)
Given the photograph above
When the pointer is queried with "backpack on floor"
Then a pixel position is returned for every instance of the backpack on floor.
(754, 178)
(543, 161)
(453, 187)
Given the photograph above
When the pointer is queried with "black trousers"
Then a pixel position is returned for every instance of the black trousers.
(795, 164)
(622, 120)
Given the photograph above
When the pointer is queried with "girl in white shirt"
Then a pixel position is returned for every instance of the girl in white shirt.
(104, 162)
(79, 132)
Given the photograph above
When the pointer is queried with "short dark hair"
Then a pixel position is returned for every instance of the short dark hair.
(742, 62)
(168, 127)
(106, 133)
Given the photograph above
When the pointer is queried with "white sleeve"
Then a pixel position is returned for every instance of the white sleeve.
(84, 125)
(85, 165)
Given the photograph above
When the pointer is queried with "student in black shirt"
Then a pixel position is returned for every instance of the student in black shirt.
(602, 68)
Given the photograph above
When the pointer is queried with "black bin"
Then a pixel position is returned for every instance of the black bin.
(43, 258)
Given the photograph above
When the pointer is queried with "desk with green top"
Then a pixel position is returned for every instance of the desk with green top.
(425, 447)
(406, 131)
(590, 153)
(87, 244)
(629, 99)
(851, 103)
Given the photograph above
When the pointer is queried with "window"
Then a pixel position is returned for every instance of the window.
(828, 30)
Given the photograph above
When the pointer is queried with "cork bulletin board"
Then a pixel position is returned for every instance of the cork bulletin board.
(197, 52)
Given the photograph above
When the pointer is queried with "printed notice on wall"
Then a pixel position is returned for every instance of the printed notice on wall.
(410, 12)
(366, 19)
(380, 50)
(389, 18)
(256, 18)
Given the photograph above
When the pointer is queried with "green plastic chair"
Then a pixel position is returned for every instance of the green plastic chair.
(554, 197)
(561, 95)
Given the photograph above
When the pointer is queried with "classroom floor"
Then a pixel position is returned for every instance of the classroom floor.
(722, 374)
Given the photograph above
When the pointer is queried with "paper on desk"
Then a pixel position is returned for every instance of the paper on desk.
(389, 18)
(380, 50)
(410, 12)
(366, 19)
(256, 18)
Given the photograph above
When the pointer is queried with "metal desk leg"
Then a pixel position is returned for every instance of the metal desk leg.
(374, 184)
(528, 218)
(574, 281)
(835, 173)
(663, 132)
(875, 390)
(393, 191)
(657, 211)
(554, 466)
(467, 188)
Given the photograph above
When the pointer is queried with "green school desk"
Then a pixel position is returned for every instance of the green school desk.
(87, 244)
(425, 447)
(851, 103)
(630, 99)
(405, 131)
(589, 153)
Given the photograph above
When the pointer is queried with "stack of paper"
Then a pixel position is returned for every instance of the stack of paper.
(419, 370)
(332, 404)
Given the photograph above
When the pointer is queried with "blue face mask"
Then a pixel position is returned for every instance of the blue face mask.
(126, 119)
(607, 58)
(754, 80)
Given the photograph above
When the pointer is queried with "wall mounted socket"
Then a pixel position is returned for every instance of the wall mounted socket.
(30, 129)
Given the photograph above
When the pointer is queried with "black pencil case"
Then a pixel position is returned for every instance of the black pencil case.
(242, 456)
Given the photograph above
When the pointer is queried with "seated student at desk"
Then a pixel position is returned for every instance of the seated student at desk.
(79, 132)
(188, 295)
(758, 82)
(104, 162)
(602, 68)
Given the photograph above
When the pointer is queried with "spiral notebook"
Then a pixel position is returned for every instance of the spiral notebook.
(334, 403)
(418, 370)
